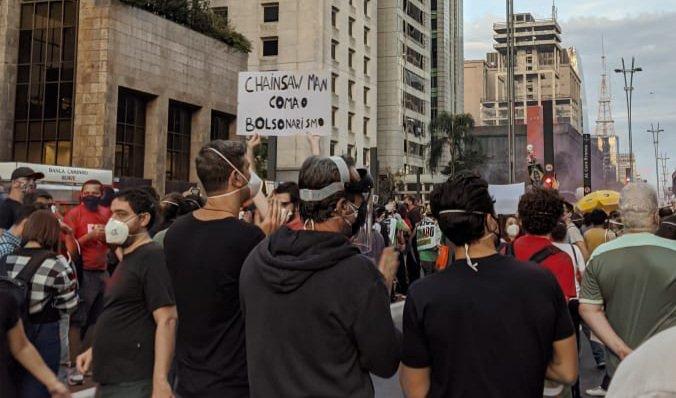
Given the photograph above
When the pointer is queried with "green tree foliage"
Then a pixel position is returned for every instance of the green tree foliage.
(196, 15)
(453, 133)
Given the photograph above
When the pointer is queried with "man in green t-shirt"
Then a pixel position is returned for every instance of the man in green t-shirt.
(629, 286)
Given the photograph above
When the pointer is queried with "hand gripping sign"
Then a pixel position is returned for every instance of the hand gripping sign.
(284, 103)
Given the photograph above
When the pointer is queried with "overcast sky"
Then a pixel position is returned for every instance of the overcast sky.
(644, 29)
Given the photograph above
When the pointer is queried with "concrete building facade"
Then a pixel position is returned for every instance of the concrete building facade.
(404, 87)
(310, 35)
(544, 71)
(91, 90)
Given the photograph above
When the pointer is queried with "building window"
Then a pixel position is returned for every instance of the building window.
(220, 125)
(366, 7)
(222, 12)
(271, 12)
(350, 118)
(350, 150)
(366, 65)
(178, 142)
(366, 156)
(334, 48)
(415, 57)
(414, 103)
(350, 90)
(366, 95)
(414, 80)
(334, 112)
(366, 35)
(131, 134)
(350, 57)
(334, 81)
(334, 17)
(350, 26)
(270, 46)
(43, 113)
(332, 148)
(366, 125)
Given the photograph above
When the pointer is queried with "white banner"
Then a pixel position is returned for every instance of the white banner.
(507, 197)
(284, 103)
(59, 174)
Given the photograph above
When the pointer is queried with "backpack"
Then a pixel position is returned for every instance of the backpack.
(544, 253)
(19, 287)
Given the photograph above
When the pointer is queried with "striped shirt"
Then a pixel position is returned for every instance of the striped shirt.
(54, 280)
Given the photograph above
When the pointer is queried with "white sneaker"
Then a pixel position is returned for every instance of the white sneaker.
(596, 392)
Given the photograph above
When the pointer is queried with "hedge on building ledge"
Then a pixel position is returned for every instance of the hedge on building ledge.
(196, 15)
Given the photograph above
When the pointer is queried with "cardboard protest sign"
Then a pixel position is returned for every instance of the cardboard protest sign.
(284, 103)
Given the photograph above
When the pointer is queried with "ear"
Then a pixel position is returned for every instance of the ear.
(341, 205)
(144, 219)
(236, 180)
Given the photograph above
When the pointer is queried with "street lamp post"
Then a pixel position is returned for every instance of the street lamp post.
(656, 142)
(628, 90)
(511, 140)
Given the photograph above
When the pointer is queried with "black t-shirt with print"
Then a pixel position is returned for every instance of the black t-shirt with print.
(9, 317)
(124, 346)
(485, 333)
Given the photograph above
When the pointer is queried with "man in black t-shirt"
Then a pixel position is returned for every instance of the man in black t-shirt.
(134, 342)
(488, 325)
(23, 181)
(205, 251)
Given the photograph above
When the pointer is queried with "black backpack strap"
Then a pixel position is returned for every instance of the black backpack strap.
(544, 254)
(34, 263)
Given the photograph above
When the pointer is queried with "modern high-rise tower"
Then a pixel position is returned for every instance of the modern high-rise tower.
(605, 137)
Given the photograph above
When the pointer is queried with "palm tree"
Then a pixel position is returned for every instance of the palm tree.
(452, 133)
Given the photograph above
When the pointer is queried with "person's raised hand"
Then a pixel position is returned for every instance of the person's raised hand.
(253, 141)
(313, 140)
(273, 220)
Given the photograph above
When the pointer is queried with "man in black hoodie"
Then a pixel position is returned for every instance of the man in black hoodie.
(316, 311)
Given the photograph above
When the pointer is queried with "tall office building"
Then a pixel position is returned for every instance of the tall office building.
(447, 57)
(311, 35)
(404, 88)
(544, 71)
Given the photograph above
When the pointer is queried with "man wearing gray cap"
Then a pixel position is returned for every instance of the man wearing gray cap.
(23, 181)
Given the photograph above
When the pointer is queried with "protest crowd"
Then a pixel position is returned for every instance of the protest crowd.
(228, 291)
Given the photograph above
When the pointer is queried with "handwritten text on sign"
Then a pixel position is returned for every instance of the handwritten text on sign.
(283, 103)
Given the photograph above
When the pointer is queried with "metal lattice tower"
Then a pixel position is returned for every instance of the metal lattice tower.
(665, 176)
(605, 125)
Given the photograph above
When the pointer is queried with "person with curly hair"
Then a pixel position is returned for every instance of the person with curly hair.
(540, 210)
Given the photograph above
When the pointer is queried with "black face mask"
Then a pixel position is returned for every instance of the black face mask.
(91, 202)
(361, 219)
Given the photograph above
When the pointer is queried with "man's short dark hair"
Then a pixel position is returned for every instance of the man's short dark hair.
(317, 173)
(598, 217)
(666, 211)
(212, 170)
(411, 199)
(152, 192)
(141, 202)
(464, 191)
(32, 197)
(291, 188)
(559, 232)
(540, 210)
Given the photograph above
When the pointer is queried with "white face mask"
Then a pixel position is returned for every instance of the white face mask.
(513, 230)
(254, 183)
(117, 232)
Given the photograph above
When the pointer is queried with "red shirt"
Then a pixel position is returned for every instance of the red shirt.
(82, 221)
(559, 264)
